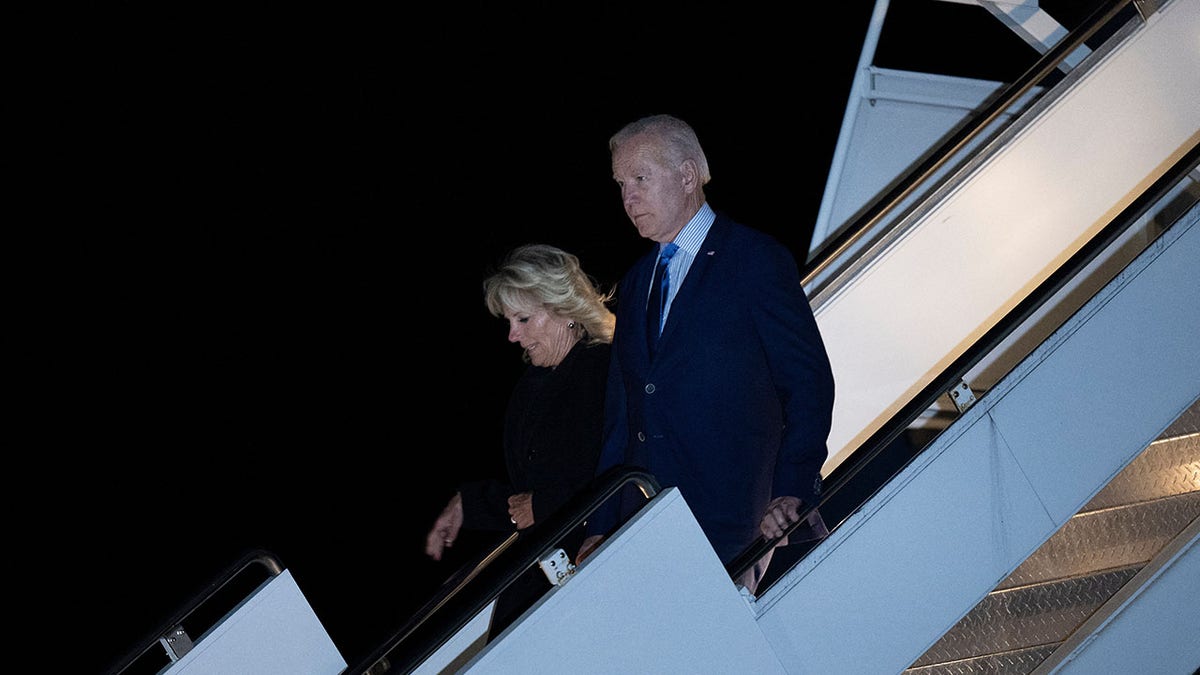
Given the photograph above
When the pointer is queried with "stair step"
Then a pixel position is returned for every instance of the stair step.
(1078, 569)
(1014, 662)
(1041, 614)
(1115, 537)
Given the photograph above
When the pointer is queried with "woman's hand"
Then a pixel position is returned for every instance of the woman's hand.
(520, 509)
(445, 528)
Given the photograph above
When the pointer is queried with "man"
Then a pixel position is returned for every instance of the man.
(732, 403)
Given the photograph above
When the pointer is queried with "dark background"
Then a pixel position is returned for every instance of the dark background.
(274, 335)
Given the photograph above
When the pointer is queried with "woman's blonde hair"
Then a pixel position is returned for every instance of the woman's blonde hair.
(540, 275)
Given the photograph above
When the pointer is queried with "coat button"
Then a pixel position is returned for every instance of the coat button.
(642, 436)
(650, 388)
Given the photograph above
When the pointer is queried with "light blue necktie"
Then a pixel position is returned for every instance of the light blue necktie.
(658, 296)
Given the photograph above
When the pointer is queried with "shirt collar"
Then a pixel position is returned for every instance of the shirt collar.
(692, 235)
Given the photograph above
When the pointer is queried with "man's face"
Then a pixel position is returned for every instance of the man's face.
(654, 194)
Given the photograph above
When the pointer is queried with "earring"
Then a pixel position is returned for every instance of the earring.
(571, 325)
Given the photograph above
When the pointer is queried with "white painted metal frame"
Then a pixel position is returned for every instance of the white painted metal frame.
(1055, 181)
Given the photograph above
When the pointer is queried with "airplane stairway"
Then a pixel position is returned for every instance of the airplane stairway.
(934, 571)
(938, 568)
(1070, 579)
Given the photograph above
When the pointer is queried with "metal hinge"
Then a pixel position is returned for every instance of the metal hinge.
(557, 567)
(962, 396)
(177, 643)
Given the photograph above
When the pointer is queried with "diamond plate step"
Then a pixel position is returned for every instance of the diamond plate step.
(1015, 662)
(1077, 570)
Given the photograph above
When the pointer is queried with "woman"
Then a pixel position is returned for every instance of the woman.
(555, 416)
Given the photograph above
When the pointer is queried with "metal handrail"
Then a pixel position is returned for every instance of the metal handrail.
(468, 593)
(257, 557)
(925, 170)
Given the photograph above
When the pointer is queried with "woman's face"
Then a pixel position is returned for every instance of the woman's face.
(544, 336)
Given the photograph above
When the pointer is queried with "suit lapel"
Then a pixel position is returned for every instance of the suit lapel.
(635, 313)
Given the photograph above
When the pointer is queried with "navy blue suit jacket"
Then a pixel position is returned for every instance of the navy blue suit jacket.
(735, 408)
